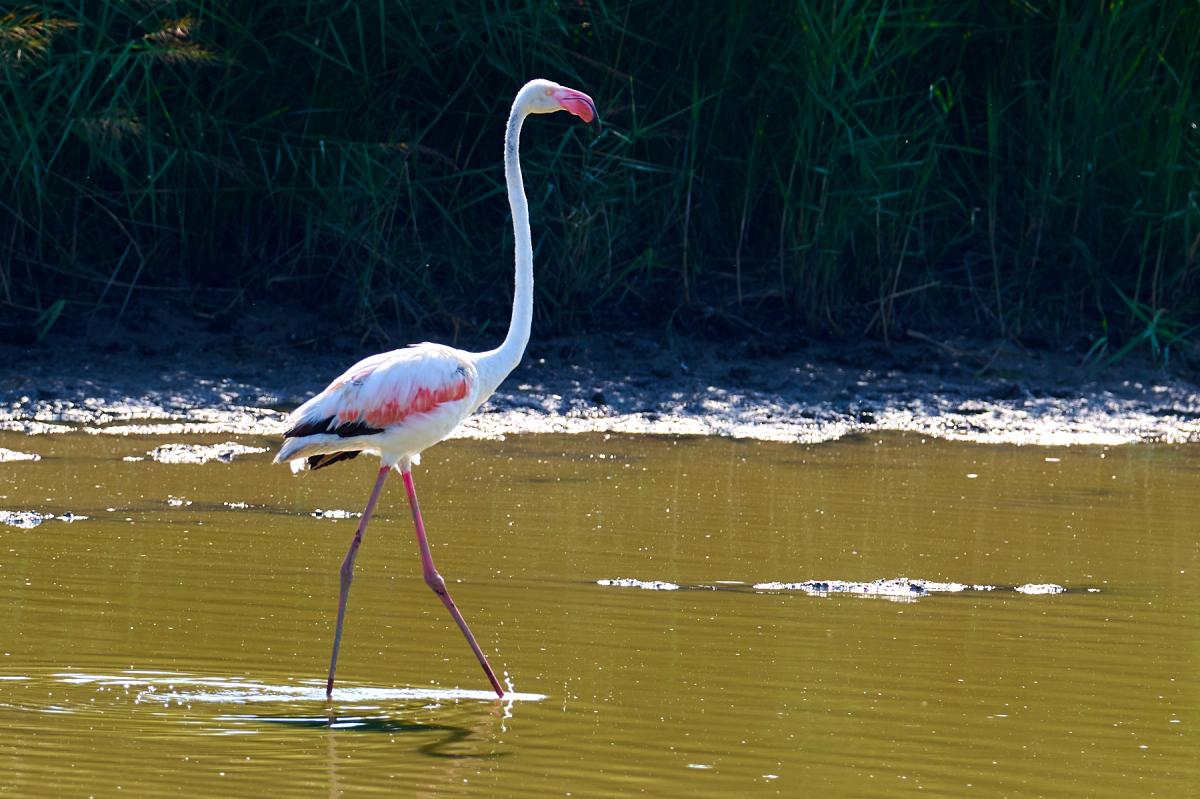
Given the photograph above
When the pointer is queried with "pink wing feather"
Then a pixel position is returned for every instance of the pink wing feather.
(385, 390)
(384, 396)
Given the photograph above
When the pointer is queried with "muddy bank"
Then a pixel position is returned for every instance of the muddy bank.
(955, 389)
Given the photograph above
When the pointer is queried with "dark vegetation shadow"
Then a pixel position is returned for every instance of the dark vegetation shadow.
(765, 172)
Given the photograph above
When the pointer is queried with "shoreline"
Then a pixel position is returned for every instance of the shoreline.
(629, 384)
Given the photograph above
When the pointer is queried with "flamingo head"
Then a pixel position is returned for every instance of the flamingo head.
(546, 97)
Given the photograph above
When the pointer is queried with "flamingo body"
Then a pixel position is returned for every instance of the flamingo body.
(394, 405)
(397, 404)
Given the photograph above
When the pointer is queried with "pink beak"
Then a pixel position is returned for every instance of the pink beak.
(577, 103)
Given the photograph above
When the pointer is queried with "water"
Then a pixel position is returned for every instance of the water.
(176, 639)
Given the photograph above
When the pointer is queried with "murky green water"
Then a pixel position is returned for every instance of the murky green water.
(177, 641)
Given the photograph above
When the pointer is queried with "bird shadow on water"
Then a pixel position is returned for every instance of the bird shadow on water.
(297, 705)
(448, 736)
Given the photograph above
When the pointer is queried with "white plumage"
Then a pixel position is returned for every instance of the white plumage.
(409, 399)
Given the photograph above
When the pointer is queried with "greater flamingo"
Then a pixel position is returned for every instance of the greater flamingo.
(398, 403)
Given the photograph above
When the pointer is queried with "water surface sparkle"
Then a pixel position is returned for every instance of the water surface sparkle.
(172, 688)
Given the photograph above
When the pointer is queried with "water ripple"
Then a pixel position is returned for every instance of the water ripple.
(898, 589)
(173, 688)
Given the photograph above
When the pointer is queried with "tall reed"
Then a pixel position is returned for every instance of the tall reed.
(858, 167)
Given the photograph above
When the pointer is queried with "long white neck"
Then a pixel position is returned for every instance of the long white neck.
(495, 365)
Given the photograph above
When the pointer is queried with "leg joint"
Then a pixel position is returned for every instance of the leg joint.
(435, 582)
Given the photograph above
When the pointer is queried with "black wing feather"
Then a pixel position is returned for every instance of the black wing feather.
(358, 427)
(330, 458)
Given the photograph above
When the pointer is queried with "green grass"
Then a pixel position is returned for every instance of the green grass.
(1032, 168)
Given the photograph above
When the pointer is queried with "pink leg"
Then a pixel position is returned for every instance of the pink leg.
(435, 581)
(348, 574)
